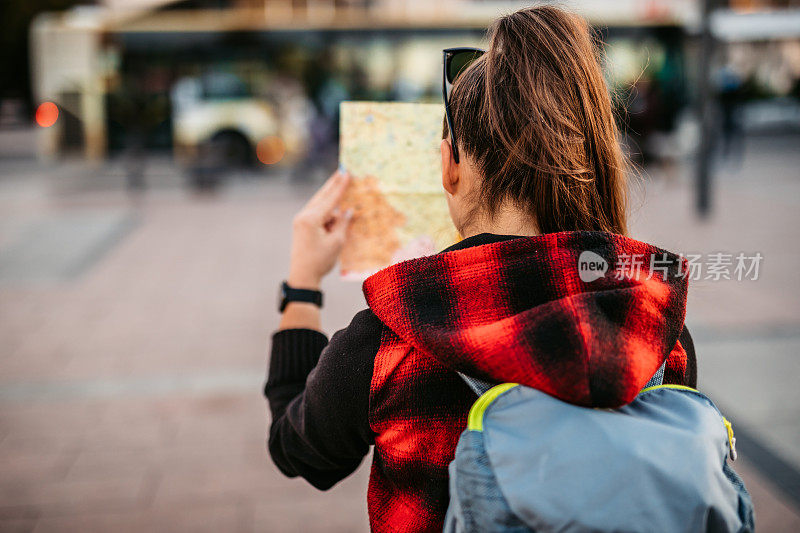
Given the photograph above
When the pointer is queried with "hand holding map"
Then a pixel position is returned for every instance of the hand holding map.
(392, 152)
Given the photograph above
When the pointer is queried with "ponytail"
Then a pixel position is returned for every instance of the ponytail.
(535, 115)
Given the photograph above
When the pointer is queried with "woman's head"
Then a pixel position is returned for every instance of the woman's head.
(534, 123)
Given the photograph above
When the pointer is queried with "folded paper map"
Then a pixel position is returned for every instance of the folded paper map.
(392, 152)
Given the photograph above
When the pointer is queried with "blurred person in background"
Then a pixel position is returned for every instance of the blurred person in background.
(730, 90)
(642, 117)
(133, 113)
(533, 174)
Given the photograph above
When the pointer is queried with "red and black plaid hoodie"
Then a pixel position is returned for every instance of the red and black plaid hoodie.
(499, 308)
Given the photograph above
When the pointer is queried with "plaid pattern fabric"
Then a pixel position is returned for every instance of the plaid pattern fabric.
(511, 311)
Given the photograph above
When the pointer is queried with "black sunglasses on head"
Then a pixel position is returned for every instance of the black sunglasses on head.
(456, 60)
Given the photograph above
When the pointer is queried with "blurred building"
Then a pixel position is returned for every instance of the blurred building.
(260, 80)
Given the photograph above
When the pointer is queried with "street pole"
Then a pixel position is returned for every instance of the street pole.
(705, 110)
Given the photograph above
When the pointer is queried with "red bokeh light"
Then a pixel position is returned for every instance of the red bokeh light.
(46, 114)
(270, 149)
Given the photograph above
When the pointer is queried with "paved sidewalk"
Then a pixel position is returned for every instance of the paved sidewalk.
(130, 388)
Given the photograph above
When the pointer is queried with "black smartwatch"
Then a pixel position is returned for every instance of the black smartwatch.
(290, 294)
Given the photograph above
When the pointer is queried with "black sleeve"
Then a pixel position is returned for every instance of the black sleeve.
(319, 399)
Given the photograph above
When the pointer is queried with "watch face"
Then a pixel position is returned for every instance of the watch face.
(281, 296)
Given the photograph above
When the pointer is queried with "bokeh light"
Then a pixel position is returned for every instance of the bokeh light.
(270, 149)
(46, 114)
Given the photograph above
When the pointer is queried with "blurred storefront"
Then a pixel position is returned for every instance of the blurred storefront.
(259, 81)
(758, 76)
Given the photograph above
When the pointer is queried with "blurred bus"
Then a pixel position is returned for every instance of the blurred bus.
(258, 83)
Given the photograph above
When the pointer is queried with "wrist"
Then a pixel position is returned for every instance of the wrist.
(300, 315)
(303, 281)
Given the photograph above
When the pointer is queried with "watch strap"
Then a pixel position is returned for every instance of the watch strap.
(292, 294)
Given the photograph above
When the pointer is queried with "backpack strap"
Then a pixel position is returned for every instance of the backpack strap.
(479, 387)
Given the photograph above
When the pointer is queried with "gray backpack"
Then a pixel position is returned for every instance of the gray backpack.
(530, 462)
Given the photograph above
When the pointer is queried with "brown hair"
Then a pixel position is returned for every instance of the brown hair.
(535, 115)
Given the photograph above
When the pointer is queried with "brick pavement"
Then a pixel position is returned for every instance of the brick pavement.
(130, 395)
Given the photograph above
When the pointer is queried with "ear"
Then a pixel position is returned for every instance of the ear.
(450, 175)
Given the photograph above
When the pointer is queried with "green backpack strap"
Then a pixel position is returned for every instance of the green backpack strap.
(480, 387)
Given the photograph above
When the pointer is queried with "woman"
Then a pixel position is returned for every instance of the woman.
(538, 180)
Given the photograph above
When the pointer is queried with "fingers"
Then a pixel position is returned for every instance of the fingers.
(322, 191)
(329, 195)
(339, 225)
(336, 218)
(331, 218)
(336, 192)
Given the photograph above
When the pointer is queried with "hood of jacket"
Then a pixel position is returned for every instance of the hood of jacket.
(587, 317)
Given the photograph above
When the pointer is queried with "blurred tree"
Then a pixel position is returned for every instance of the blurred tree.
(15, 21)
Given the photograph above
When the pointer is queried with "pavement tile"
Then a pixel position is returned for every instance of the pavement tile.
(774, 513)
(205, 517)
(206, 481)
(85, 493)
(35, 465)
(343, 509)
(17, 525)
